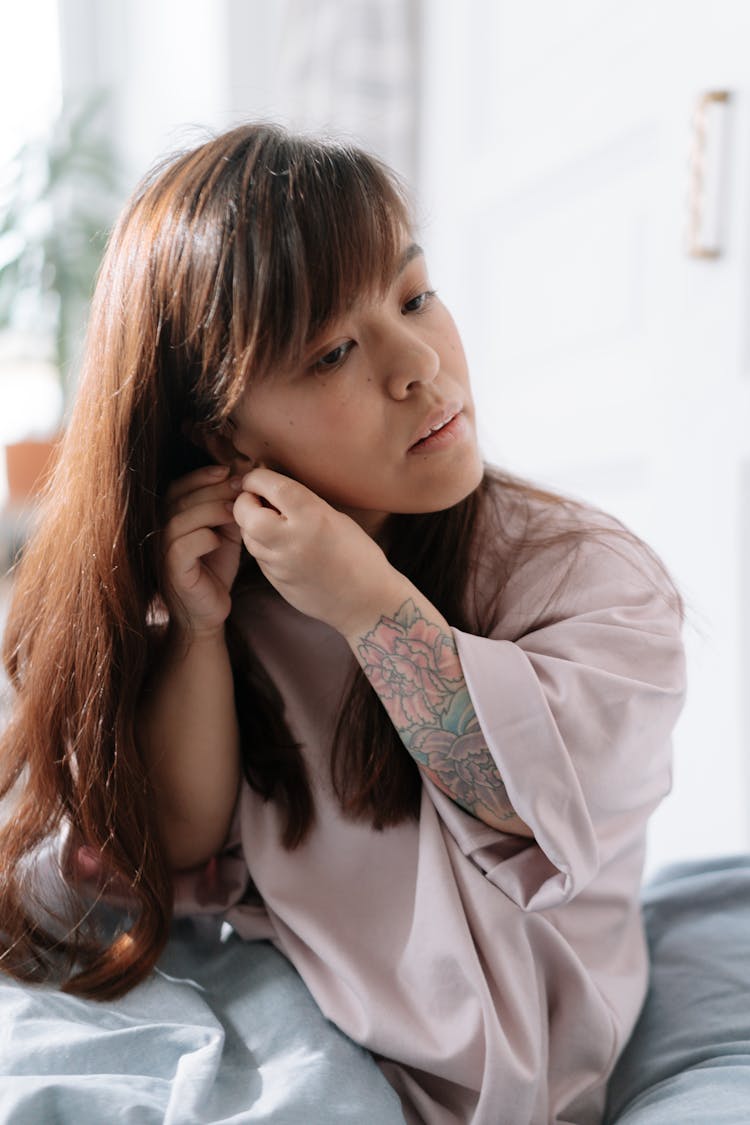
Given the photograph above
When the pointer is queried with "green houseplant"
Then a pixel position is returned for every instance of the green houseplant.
(55, 213)
(57, 198)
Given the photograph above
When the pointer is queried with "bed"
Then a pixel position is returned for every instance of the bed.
(224, 1031)
(688, 1060)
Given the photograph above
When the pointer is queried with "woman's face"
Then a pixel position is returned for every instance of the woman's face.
(347, 422)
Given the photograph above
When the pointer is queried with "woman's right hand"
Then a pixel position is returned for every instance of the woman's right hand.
(201, 545)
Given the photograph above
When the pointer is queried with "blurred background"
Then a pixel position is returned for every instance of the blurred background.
(581, 172)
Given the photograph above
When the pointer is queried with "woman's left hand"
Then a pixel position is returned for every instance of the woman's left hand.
(321, 561)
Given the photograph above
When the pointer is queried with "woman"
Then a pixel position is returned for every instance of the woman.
(283, 642)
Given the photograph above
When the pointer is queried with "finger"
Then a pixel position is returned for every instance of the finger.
(248, 502)
(224, 491)
(209, 474)
(284, 493)
(230, 531)
(257, 522)
(212, 513)
(183, 556)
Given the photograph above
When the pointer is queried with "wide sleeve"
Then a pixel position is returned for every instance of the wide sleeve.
(578, 715)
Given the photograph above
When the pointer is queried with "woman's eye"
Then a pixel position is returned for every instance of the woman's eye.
(418, 303)
(334, 358)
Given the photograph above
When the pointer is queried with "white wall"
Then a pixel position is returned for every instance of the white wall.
(607, 362)
(165, 63)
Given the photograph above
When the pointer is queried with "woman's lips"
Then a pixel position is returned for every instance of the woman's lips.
(438, 416)
(443, 437)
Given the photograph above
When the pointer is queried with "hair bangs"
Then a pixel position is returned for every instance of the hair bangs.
(263, 238)
(327, 226)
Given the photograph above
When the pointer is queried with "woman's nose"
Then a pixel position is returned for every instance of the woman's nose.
(411, 362)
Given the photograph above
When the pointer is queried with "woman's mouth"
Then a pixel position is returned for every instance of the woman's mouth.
(441, 436)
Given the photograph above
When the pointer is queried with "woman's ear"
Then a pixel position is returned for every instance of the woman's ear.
(219, 445)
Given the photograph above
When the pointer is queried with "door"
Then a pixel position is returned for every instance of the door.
(564, 175)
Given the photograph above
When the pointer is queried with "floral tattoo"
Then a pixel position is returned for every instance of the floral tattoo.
(414, 667)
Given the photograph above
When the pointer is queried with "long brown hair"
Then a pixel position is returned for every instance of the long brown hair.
(226, 261)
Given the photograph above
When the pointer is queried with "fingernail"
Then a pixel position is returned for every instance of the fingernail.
(229, 506)
(217, 470)
(236, 483)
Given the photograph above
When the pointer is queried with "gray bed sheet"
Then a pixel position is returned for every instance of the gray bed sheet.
(688, 1060)
(223, 1031)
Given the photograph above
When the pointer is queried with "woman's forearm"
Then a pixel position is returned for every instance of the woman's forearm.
(188, 728)
(409, 656)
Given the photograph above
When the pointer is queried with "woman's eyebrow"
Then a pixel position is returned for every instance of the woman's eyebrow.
(410, 253)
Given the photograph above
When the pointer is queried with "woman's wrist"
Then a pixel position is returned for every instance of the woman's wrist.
(383, 602)
(183, 636)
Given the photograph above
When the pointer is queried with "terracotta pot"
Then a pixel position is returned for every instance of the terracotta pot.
(28, 464)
